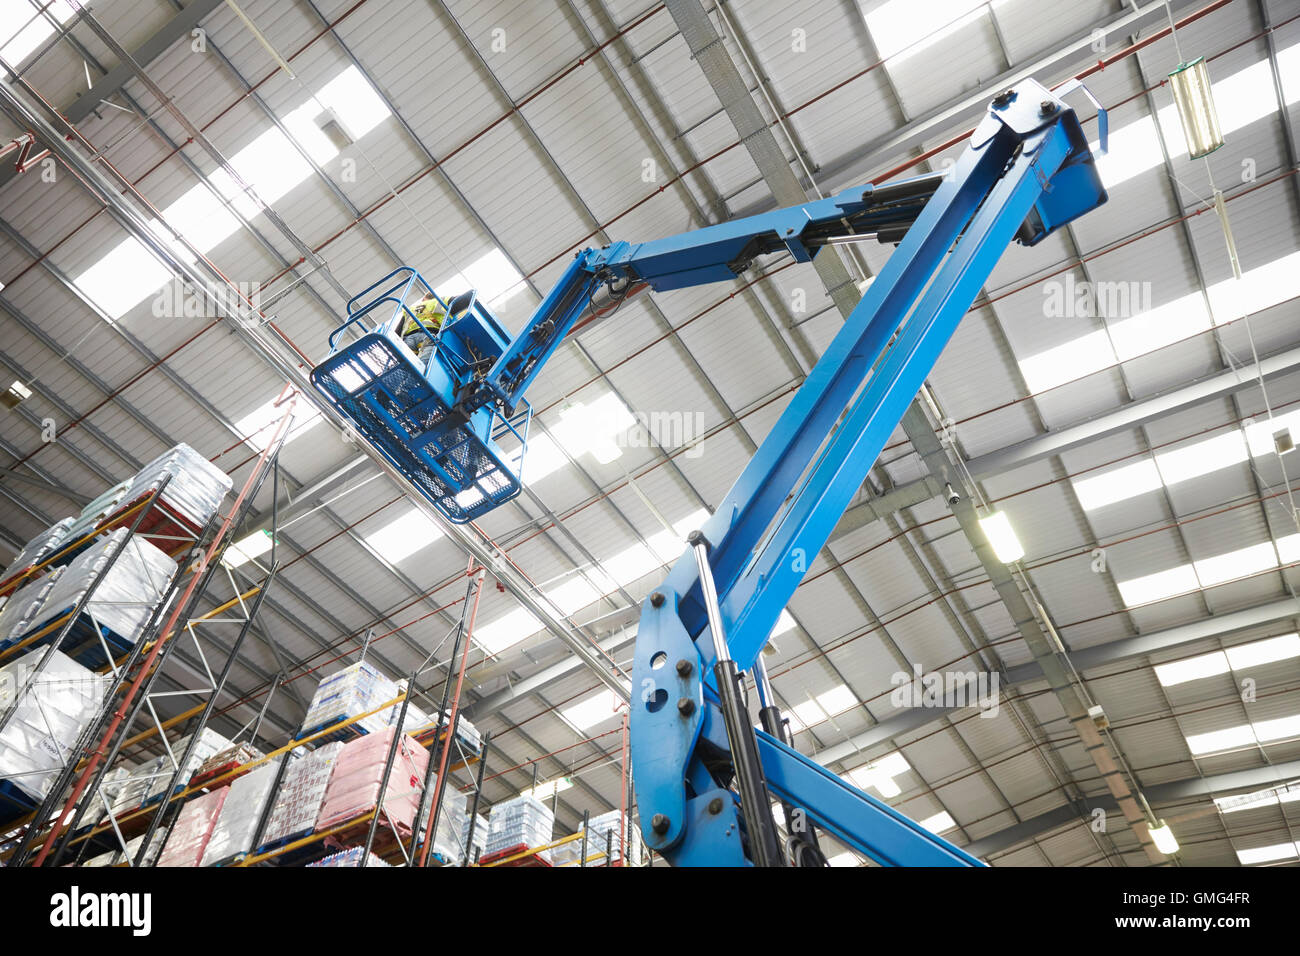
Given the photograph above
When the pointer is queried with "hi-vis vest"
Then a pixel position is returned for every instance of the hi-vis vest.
(430, 313)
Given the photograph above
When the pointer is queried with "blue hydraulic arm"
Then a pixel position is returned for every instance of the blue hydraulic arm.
(705, 779)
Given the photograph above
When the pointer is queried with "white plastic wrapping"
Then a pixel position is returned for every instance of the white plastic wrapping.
(16, 618)
(240, 814)
(196, 489)
(210, 743)
(354, 690)
(39, 548)
(98, 510)
(53, 708)
(127, 593)
(522, 820)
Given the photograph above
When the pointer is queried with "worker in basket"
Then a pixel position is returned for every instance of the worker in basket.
(430, 312)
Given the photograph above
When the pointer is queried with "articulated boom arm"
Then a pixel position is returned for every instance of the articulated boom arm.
(598, 281)
(705, 778)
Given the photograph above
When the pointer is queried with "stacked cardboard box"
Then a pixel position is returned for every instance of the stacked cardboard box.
(349, 692)
(236, 826)
(350, 857)
(50, 710)
(523, 820)
(192, 829)
(297, 803)
(354, 784)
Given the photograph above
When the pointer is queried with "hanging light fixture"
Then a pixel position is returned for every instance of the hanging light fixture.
(1195, 101)
(1163, 837)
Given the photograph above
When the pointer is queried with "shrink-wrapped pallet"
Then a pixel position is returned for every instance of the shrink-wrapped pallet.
(38, 549)
(350, 692)
(354, 784)
(196, 489)
(298, 801)
(237, 824)
(51, 709)
(193, 827)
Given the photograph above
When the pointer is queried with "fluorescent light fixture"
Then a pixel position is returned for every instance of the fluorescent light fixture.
(402, 537)
(1268, 854)
(1229, 738)
(1193, 668)
(1163, 837)
(1267, 651)
(1190, 84)
(548, 789)
(248, 548)
(15, 395)
(783, 623)
(1002, 537)
(593, 710)
(941, 822)
(846, 858)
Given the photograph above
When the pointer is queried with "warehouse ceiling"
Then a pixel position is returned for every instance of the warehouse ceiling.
(1128, 436)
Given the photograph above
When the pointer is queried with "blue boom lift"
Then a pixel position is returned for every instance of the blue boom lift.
(705, 778)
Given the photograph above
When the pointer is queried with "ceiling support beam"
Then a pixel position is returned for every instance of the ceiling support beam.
(1159, 794)
(1100, 655)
